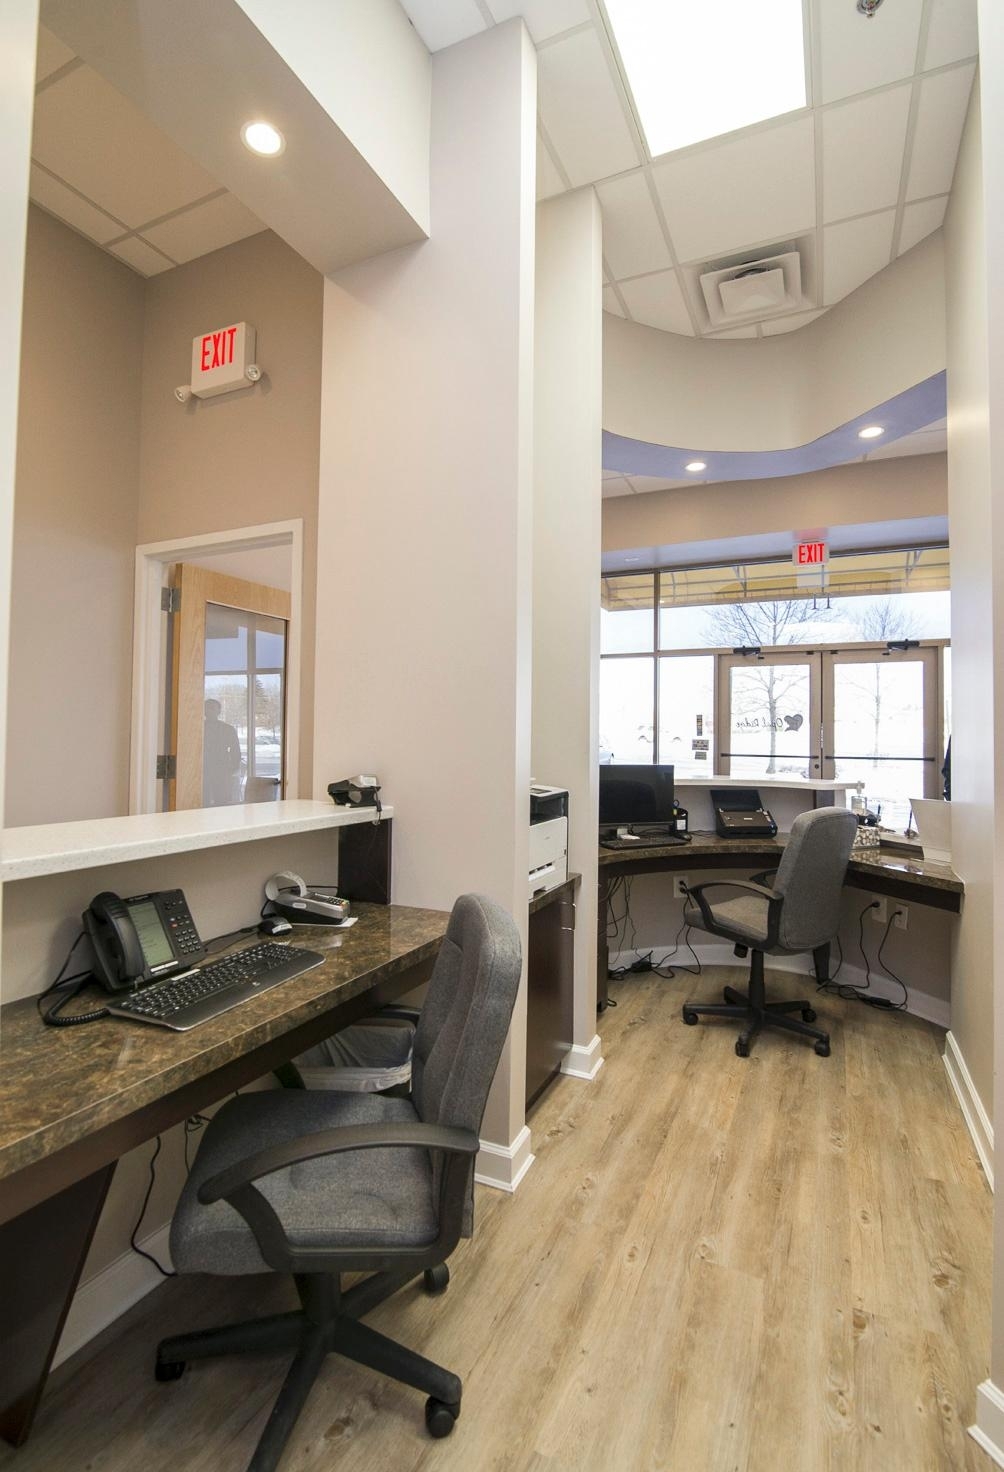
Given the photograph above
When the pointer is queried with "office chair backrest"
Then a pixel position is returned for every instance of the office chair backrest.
(811, 874)
(465, 1016)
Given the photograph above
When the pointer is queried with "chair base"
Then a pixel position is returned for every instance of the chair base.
(756, 1012)
(327, 1323)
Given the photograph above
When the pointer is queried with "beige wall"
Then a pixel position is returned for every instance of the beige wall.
(247, 457)
(787, 390)
(970, 509)
(74, 531)
(426, 515)
(568, 392)
(847, 495)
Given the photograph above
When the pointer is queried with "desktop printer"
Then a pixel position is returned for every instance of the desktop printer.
(548, 837)
(739, 813)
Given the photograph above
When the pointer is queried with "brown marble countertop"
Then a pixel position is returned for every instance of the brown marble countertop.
(893, 864)
(548, 896)
(58, 1085)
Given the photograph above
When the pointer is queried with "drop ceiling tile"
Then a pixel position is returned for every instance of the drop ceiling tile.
(854, 251)
(617, 487)
(544, 18)
(444, 22)
(53, 195)
(90, 134)
(549, 181)
(863, 144)
(778, 325)
(760, 187)
(943, 102)
(51, 55)
(920, 220)
(633, 242)
(951, 33)
(581, 110)
(610, 302)
(658, 301)
(209, 226)
(610, 474)
(142, 257)
(857, 53)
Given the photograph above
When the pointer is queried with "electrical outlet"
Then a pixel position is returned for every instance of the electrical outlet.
(680, 885)
(878, 912)
(901, 917)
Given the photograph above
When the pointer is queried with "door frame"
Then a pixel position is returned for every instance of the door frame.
(150, 646)
(777, 655)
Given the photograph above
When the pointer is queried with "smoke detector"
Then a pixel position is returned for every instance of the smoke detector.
(745, 291)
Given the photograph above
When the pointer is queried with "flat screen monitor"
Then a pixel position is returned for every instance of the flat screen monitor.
(631, 796)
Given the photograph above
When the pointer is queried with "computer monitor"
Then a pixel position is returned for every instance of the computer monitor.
(634, 796)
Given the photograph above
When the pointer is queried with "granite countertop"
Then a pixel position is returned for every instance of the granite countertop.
(60, 1085)
(923, 872)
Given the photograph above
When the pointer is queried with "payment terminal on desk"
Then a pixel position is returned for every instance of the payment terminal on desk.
(739, 813)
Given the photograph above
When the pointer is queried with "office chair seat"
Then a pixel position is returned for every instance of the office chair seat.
(745, 917)
(357, 1199)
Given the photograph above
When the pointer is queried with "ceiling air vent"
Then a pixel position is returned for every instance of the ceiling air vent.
(749, 290)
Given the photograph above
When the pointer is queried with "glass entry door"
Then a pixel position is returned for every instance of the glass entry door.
(881, 726)
(772, 724)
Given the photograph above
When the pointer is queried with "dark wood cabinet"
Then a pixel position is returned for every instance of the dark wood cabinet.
(550, 974)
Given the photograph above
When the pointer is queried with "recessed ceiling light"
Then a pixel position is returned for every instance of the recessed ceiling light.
(263, 138)
(695, 466)
(870, 432)
(698, 70)
(632, 559)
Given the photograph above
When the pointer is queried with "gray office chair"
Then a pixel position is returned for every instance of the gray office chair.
(794, 908)
(317, 1184)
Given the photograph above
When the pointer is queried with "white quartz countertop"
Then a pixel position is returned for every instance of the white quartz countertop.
(808, 784)
(57, 848)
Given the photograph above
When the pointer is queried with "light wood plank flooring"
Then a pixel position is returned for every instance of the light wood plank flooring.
(779, 1264)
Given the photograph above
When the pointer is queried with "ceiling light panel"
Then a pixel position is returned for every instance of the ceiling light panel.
(698, 70)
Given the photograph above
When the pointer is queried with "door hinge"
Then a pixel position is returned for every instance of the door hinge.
(167, 768)
(170, 600)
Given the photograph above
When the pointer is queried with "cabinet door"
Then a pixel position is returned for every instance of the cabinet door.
(549, 992)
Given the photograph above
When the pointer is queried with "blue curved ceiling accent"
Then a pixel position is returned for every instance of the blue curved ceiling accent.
(908, 411)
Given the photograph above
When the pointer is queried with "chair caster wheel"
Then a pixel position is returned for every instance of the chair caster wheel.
(690, 1018)
(742, 1049)
(165, 1370)
(440, 1418)
(823, 1048)
(435, 1279)
(808, 1015)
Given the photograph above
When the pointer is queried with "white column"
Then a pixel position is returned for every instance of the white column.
(424, 534)
(566, 528)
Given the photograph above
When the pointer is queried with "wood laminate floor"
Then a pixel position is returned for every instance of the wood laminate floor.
(779, 1264)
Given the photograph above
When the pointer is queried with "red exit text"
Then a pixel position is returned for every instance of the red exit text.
(218, 349)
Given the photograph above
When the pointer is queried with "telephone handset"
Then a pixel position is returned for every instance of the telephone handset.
(141, 938)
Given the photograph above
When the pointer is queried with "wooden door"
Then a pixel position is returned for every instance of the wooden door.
(220, 761)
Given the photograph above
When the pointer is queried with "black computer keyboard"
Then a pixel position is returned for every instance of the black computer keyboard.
(184, 1001)
(663, 840)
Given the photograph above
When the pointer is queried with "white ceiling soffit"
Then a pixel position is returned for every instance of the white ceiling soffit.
(857, 178)
(931, 440)
(193, 74)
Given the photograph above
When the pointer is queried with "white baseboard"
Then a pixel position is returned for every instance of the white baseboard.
(101, 1300)
(989, 1428)
(978, 1122)
(720, 953)
(583, 1062)
(504, 1166)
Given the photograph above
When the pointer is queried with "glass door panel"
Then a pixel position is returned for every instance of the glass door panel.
(881, 728)
(771, 707)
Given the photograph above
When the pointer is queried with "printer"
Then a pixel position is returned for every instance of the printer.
(548, 837)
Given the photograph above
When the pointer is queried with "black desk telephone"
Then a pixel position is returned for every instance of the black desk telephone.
(142, 938)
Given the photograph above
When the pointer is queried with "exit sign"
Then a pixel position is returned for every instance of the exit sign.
(220, 359)
(810, 554)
